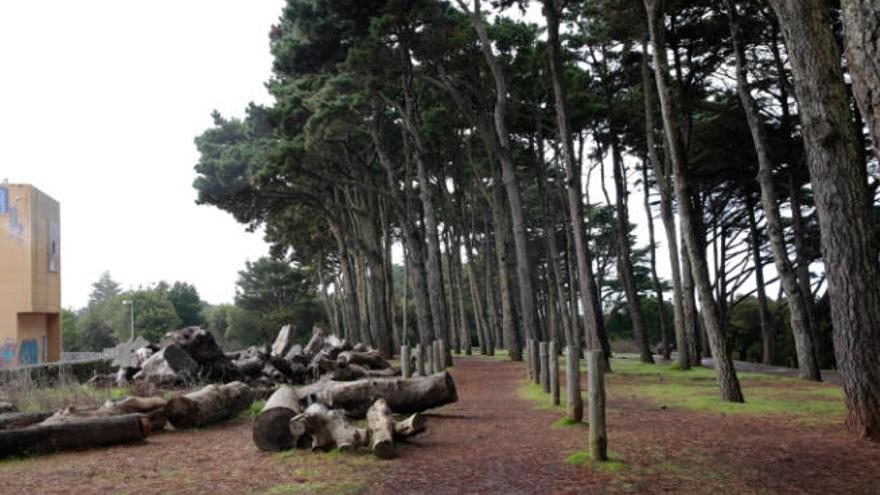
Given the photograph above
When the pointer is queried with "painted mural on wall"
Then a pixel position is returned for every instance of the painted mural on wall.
(14, 354)
(4, 200)
(28, 352)
(54, 248)
(8, 353)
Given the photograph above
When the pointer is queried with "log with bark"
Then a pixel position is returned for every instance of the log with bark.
(284, 341)
(369, 359)
(171, 365)
(12, 420)
(404, 395)
(209, 404)
(6, 406)
(327, 429)
(91, 432)
(409, 427)
(201, 346)
(153, 408)
(271, 431)
(381, 429)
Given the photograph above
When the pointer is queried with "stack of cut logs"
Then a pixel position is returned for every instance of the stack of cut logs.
(341, 383)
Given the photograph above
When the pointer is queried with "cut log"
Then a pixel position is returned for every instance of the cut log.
(359, 347)
(330, 428)
(151, 407)
(209, 404)
(12, 420)
(284, 341)
(404, 395)
(370, 359)
(249, 366)
(169, 366)
(316, 343)
(7, 407)
(93, 432)
(271, 430)
(296, 355)
(381, 429)
(411, 426)
(347, 372)
(201, 346)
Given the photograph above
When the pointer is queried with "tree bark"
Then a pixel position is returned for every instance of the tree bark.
(94, 432)
(804, 343)
(724, 370)
(381, 429)
(658, 288)
(848, 245)
(209, 404)
(861, 24)
(595, 326)
(768, 333)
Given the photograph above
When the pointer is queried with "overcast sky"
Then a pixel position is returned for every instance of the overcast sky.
(99, 103)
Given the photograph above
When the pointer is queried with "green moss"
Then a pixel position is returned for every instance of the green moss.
(543, 402)
(614, 464)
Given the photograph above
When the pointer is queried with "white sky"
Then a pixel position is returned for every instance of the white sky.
(99, 103)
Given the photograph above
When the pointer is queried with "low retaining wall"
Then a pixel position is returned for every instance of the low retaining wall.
(52, 373)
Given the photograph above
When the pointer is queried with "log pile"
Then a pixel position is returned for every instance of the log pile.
(321, 415)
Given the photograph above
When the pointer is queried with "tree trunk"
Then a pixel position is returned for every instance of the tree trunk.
(658, 288)
(848, 245)
(595, 326)
(209, 404)
(861, 25)
(804, 342)
(768, 333)
(404, 395)
(501, 230)
(13, 420)
(724, 370)
(93, 432)
(511, 185)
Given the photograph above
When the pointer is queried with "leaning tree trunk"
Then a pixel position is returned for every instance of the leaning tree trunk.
(797, 302)
(768, 333)
(655, 279)
(501, 230)
(511, 184)
(861, 24)
(624, 253)
(848, 244)
(724, 370)
(593, 319)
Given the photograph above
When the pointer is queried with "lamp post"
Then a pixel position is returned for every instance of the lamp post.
(129, 302)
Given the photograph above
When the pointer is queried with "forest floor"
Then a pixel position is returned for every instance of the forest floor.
(668, 433)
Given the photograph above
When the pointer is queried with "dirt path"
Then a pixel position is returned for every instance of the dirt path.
(491, 441)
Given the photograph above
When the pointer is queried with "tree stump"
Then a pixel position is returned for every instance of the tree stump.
(598, 434)
(330, 428)
(420, 360)
(574, 404)
(443, 355)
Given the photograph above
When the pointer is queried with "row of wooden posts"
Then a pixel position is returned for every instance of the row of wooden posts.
(543, 370)
(433, 360)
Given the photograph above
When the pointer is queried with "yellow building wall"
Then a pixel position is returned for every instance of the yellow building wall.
(30, 294)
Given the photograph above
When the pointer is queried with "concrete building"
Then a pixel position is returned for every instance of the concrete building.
(30, 276)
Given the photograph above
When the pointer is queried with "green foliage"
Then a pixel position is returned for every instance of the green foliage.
(154, 314)
(187, 303)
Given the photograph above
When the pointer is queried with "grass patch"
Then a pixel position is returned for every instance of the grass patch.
(251, 412)
(543, 402)
(697, 390)
(326, 472)
(565, 422)
(614, 464)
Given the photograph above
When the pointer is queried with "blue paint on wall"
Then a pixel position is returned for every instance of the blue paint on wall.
(28, 352)
(7, 353)
(4, 200)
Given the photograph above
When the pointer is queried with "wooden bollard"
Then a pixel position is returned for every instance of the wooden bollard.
(536, 361)
(529, 358)
(574, 404)
(420, 360)
(545, 367)
(554, 372)
(598, 434)
(442, 350)
(436, 359)
(405, 363)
